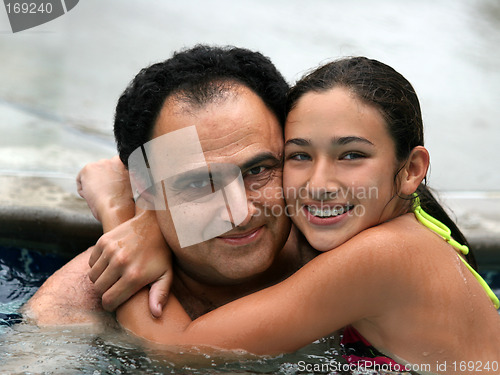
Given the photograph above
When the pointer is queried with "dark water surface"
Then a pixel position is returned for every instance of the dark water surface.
(27, 349)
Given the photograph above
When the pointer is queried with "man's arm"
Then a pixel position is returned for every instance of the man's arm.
(67, 297)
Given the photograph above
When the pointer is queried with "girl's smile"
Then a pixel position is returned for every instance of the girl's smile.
(326, 214)
(340, 167)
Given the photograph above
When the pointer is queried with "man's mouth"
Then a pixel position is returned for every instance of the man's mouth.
(326, 212)
(242, 238)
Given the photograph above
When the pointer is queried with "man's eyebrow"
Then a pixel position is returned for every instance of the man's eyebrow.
(260, 158)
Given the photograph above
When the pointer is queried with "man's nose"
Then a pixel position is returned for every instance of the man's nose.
(322, 183)
(239, 208)
(251, 211)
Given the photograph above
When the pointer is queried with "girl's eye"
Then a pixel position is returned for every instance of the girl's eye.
(352, 156)
(255, 171)
(300, 157)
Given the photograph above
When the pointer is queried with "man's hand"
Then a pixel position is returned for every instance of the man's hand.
(127, 258)
(106, 187)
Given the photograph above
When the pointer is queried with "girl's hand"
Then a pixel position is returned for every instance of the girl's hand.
(132, 253)
(129, 257)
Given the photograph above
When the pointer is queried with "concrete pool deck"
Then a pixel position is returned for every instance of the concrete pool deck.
(45, 214)
(39, 213)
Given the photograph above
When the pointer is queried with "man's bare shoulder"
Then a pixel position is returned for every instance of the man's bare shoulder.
(67, 297)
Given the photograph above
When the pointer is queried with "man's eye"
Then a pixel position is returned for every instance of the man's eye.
(199, 184)
(255, 171)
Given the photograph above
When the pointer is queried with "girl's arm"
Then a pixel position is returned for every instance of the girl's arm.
(337, 288)
(69, 296)
(106, 188)
(129, 257)
(132, 253)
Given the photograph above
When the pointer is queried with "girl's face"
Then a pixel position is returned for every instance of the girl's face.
(339, 168)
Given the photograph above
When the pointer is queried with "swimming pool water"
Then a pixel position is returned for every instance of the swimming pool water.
(27, 349)
(21, 274)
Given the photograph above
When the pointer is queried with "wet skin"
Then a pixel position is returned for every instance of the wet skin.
(337, 154)
(238, 129)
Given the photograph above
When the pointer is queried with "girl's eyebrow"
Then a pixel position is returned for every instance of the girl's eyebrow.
(340, 141)
(298, 142)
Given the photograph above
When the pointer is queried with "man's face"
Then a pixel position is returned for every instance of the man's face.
(236, 129)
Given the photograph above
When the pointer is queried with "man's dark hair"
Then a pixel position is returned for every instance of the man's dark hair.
(195, 74)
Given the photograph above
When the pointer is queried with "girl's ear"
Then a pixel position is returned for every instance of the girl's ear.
(414, 171)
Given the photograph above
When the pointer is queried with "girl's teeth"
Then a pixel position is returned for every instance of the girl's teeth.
(325, 212)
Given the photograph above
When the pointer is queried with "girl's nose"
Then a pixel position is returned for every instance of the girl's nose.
(322, 183)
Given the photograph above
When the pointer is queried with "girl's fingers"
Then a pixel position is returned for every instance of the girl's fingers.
(158, 294)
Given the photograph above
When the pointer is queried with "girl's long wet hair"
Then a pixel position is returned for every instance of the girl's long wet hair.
(379, 85)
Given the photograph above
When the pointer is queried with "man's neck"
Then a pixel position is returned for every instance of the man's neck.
(199, 298)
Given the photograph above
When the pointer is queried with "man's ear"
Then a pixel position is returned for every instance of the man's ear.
(414, 170)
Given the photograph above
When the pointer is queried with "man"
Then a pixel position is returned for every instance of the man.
(235, 101)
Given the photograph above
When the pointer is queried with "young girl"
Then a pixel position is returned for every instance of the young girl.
(393, 277)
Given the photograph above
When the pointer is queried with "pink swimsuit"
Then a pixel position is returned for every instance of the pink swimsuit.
(358, 350)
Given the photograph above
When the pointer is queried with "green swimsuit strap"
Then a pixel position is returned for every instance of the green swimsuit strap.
(445, 232)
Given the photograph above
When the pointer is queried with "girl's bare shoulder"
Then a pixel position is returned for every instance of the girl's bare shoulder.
(399, 233)
(399, 247)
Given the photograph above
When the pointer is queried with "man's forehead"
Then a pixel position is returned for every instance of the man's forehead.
(180, 105)
(228, 130)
